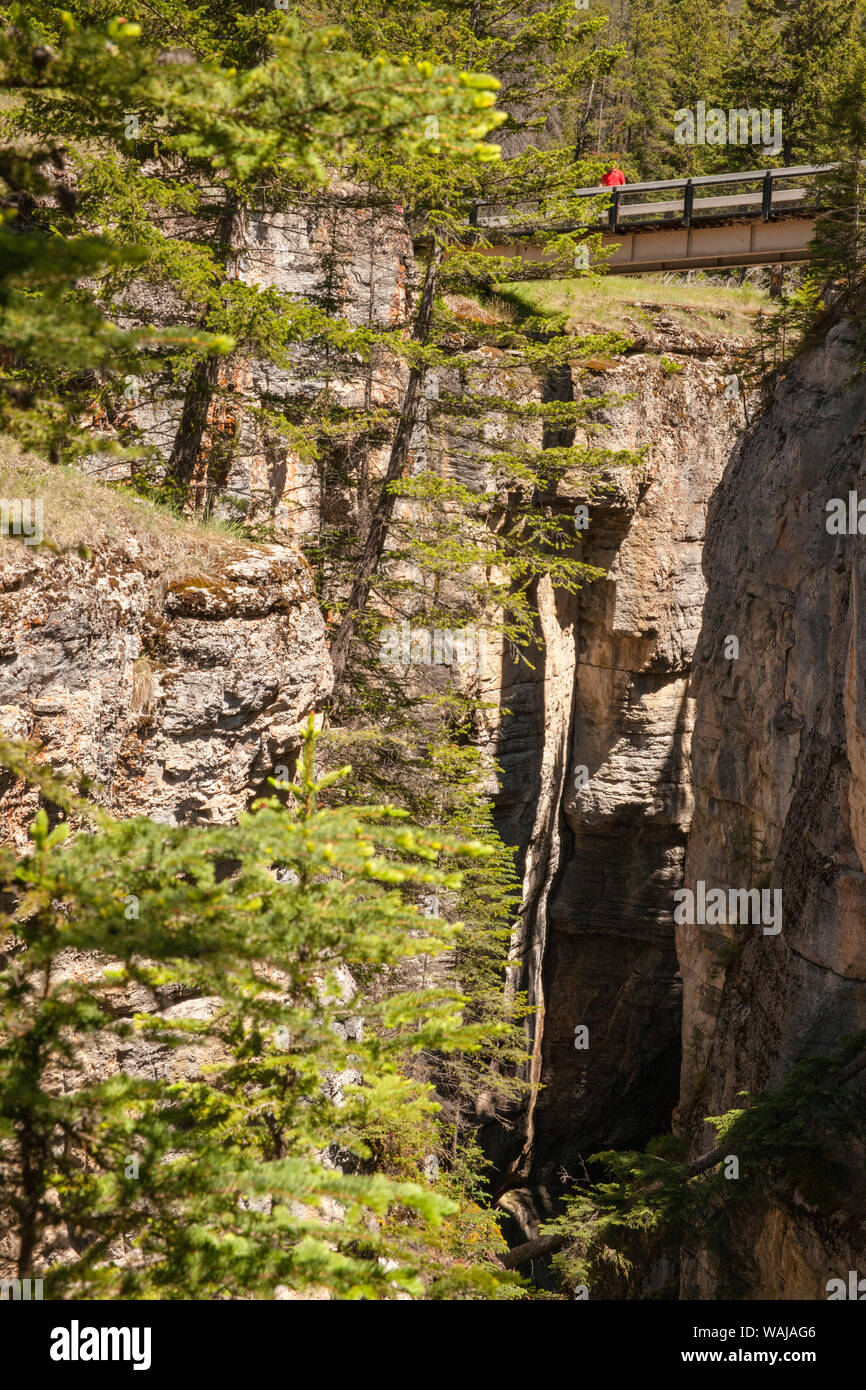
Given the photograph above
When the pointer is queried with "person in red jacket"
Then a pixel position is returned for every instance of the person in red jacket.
(613, 178)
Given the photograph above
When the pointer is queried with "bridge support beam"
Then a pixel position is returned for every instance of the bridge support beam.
(641, 250)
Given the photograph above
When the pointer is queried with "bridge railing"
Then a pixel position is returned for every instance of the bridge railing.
(763, 193)
(759, 193)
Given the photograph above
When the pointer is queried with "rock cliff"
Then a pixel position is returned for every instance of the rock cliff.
(178, 694)
(779, 798)
(596, 788)
(697, 716)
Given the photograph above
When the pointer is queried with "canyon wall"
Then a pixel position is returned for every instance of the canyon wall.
(596, 788)
(646, 729)
(634, 734)
(342, 253)
(178, 695)
(778, 764)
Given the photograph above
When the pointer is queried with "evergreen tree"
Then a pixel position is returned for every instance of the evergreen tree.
(838, 249)
(789, 56)
(635, 121)
(266, 1166)
(635, 1212)
(701, 38)
(167, 153)
(659, 56)
(55, 336)
(461, 528)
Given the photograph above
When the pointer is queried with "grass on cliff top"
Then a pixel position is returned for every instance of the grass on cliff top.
(78, 509)
(624, 302)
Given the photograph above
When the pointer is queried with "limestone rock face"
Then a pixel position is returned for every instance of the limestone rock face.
(780, 791)
(698, 715)
(341, 246)
(336, 251)
(596, 788)
(179, 697)
(178, 693)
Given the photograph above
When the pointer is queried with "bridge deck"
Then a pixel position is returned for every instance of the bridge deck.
(763, 223)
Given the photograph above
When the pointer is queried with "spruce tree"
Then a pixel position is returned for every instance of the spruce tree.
(266, 1166)
(468, 516)
(167, 153)
(789, 56)
(838, 249)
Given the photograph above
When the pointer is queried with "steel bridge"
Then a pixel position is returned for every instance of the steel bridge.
(758, 217)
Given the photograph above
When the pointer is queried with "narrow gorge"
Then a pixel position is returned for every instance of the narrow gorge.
(432, 678)
(635, 755)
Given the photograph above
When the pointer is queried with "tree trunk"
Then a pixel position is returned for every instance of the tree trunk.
(205, 374)
(532, 1250)
(196, 404)
(382, 512)
(580, 137)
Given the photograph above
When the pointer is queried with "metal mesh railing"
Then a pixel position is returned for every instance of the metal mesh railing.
(753, 193)
(808, 189)
(758, 193)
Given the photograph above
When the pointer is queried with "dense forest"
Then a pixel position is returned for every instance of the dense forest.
(285, 1045)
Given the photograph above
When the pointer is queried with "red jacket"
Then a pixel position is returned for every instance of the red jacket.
(613, 179)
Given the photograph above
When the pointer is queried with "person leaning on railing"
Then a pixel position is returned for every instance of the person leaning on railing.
(614, 177)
